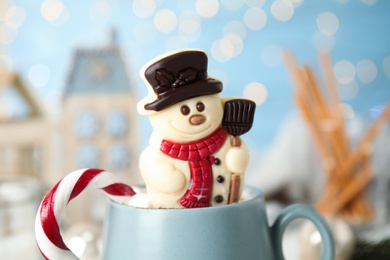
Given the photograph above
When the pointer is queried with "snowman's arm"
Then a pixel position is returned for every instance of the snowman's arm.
(159, 174)
(237, 159)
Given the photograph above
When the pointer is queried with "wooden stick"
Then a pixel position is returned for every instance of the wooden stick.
(322, 111)
(358, 207)
(326, 115)
(328, 139)
(326, 65)
(364, 148)
(298, 77)
(317, 94)
(354, 187)
(235, 179)
(346, 167)
(364, 209)
(295, 74)
(343, 192)
(336, 133)
(377, 126)
(235, 183)
(316, 134)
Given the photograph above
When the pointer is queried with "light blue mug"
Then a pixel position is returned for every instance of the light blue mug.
(236, 231)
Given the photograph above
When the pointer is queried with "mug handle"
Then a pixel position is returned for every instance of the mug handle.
(302, 211)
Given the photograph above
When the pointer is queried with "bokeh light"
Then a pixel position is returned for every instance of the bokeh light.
(7, 34)
(15, 16)
(229, 46)
(255, 18)
(5, 6)
(207, 8)
(165, 21)
(253, 3)
(222, 50)
(63, 18)
(271, 55)
(232, 5)
(328, 23)
(282, 10)
(344, 71)
(237, 43)
(144, 8)
(297, 3)
(348, 91)
(366, 71)
(189, 22)
(100, 11)
(39, 75)
(348, 111)
(256, 92)
(235, 27)
(323, 42)
(52, 10)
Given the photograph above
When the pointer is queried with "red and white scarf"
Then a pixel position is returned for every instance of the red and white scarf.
(198, 154)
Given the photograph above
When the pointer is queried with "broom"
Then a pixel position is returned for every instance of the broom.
(237, 120)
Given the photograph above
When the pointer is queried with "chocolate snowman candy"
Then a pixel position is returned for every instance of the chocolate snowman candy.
(190, 159)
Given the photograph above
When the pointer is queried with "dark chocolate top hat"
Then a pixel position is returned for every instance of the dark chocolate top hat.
(178, 77)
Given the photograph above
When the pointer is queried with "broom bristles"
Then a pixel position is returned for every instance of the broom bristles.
(238, 116)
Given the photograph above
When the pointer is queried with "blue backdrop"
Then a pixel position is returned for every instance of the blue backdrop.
(244, 40)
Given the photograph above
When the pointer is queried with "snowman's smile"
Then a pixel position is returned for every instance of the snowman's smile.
(197, 129)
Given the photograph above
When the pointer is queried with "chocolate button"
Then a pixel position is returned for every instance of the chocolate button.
(218, 198)
(220, 179)
(217, 161)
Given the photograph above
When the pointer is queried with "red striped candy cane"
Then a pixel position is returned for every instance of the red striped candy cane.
(47, 221)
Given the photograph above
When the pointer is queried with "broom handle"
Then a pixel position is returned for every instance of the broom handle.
(235, 179)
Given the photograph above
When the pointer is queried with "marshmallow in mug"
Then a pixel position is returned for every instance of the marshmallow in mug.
(190, 160)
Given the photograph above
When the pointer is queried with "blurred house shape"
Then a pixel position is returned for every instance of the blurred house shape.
(99, 114)
(26, 133)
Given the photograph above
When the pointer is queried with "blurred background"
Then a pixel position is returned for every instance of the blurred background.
(69, 84)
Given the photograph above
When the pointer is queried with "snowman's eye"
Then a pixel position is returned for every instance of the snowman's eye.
(200, 106)
(185, 110)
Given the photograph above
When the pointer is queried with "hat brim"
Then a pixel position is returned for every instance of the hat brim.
(196, 89)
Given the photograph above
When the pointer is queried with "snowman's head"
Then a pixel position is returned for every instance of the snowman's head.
(189, 120)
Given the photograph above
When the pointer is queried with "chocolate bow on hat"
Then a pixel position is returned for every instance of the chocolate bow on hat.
(176, 77)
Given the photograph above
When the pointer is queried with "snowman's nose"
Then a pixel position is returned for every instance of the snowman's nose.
(197, 119)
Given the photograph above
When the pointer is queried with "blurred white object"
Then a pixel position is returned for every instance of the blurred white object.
(344, 239)
(19, 246)
(84, 239)
(19, 201)
(290, 165)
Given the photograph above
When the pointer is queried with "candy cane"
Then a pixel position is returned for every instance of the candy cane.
(47, 228)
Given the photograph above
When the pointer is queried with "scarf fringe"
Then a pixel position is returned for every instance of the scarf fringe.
(191, 204)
